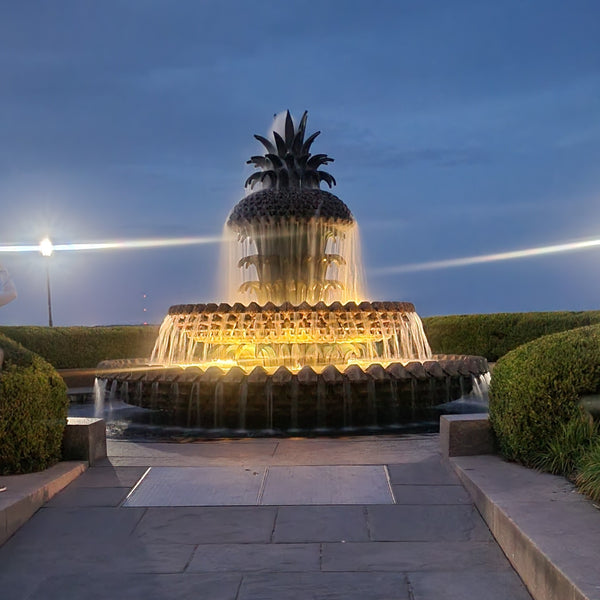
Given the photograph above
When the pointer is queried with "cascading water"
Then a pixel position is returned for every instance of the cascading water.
(294, 278)
(481, 387)
(293, 336)
(99, 395)
(297, 346)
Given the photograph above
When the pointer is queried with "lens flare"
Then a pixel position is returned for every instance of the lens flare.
(46, 247)
(123, 245)
(485, 258)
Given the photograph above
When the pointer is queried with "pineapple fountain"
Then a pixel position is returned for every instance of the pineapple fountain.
(297, 347)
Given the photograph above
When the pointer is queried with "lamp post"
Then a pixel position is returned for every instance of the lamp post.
(46, 249)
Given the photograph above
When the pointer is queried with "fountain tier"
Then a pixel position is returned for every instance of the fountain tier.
(292, 336)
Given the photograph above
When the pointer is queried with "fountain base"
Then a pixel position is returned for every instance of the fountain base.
(289, 403)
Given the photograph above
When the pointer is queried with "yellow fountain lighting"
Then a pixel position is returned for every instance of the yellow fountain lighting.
(220, 363)
(271, 337)
(486, 258)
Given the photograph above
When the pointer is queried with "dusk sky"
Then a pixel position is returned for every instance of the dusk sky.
(459, 129)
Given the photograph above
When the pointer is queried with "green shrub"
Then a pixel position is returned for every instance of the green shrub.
(490, 335)
(494, 335)
(588, 478)
(562, 453)
(84, 347)
(535, 389)
(33, 411)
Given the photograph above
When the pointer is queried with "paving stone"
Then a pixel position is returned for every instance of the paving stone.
(412, 556)
(357, 484)
(109, 477)
(52, 557)
(134, 586)
(15, 586)
(198, 486)
(329, 586)
(155, 461)
(204, 453)
(90, 525)
(355, 451)
(367, 450)
(23, 567)
(93, 496)
(207, 525)
(255, 557)
(431, 494)
(321, 524)
(262, 552)
(474, 583)
(427, 472)
(413, 523)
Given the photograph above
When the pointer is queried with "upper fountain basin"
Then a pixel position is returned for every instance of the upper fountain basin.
(253, 307)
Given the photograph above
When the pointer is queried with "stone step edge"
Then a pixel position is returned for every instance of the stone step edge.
(544, 579)
(25, 494)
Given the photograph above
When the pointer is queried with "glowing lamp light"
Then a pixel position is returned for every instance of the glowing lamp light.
(46, 247)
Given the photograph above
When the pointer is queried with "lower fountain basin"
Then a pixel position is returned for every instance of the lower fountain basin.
(286, 402)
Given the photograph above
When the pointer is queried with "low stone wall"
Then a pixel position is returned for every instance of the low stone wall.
(546, 529)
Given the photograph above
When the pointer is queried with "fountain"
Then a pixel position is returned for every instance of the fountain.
(297, 347)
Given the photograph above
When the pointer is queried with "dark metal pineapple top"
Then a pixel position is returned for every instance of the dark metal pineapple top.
(288, 162)
(290, 176)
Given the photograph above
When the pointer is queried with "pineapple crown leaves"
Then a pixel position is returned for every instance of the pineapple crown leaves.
(288, 161)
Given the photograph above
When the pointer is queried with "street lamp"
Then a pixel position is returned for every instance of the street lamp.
(46, 249)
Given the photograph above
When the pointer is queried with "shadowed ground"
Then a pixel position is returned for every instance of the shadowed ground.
(368, 518)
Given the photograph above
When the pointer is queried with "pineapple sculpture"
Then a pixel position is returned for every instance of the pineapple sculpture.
(288, 162)
(294, 240)
(294, 294)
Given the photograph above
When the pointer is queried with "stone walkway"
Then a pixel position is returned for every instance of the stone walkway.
(299, 521)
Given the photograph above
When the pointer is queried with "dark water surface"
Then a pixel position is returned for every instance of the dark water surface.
(127, 422)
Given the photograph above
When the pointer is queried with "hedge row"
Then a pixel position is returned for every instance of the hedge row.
(84, 347)
(33, 411)
(493, 335)
(489, 335)
(535, 390)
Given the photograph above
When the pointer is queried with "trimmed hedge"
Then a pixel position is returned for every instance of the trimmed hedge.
(535, 390)
(494, 335)
(489, 335)
(84, 347)
(33, 411)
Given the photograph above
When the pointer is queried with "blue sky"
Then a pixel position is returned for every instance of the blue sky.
(458, 129)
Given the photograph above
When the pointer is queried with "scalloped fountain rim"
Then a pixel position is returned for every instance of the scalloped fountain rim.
(254, 307)
(439, 367)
